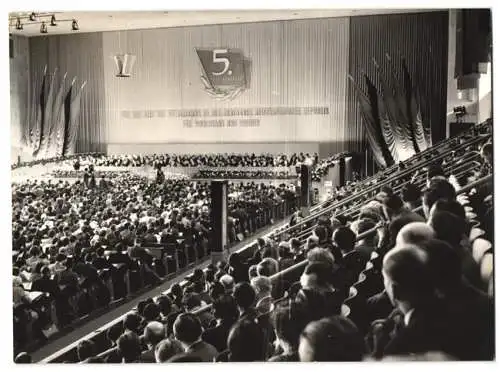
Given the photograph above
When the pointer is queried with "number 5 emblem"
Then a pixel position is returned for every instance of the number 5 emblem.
(225, 72)
(223, 60)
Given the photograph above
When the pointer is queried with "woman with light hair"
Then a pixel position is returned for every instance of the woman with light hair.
(262, 286)
(267, 267)
(227, 282)
(320, 255)
(373, 210)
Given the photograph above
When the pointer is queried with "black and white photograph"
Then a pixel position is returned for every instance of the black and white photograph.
(249, 185)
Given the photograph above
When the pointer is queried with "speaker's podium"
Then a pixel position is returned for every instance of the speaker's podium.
(218, 217)
(341, 172)
(306, 192)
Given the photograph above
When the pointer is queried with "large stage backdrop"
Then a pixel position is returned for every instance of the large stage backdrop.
(270, 86)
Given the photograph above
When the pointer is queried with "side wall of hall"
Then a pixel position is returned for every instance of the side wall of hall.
(422, 39)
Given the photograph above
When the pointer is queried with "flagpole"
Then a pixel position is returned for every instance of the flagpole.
(366, 162)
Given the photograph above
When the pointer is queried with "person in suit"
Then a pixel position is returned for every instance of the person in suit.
(227, 282)
(237, 269)
(368, 244)
(317, 295)
(441, 221)
(154, 332)
(192, 302)
(411, 194)
(286, 258)
(112, 335)
(167, 349)
(298, 253)
(288, 322)
(352, 260)
(165, 305)
(268, 267)
(331, 339)
(129, 346)
(463, 301)
(188, 330)
(394, 207)
(437, 189)
(226, 313)
(430, 324)
(45, 283)
(86, 352)
(262, 286)
(245, 296)
(247, 342)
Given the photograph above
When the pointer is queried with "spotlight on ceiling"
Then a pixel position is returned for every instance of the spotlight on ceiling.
(74, 25)
(43, 28)
(19, 25)
(53, 20)
(33, 17)
(460, 111)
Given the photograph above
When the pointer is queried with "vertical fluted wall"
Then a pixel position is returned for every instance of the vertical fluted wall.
(294, 64)
(422, 38)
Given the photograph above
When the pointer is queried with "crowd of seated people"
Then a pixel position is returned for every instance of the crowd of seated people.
(56, 159)
(204, 160)
(414, 288)
(244, 174)
(320, 167)
(180, 160)
(323, 165)
(65, 233)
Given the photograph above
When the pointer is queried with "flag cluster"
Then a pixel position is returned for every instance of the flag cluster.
(53, 127)
(392, 114)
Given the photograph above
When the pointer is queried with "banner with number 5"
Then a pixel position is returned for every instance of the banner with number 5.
(223, 68)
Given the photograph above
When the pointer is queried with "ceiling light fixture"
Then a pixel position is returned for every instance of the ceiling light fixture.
(43, 20)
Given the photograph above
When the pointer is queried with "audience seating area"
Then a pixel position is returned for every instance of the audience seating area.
(80, 249)
(388, 268)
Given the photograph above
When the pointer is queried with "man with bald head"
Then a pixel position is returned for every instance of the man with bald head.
(430, 324)
(153, 334)
(473, 309)
(414, 233)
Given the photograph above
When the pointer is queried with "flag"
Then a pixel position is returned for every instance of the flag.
(414, 110)
(383, 124)
(36, 132)
(72, 111)
(47, 118)
(403, 144)
(370, 124)
(56, 134)
(404, 115)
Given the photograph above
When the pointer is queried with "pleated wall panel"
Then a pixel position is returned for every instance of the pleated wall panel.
(19, 89)
(422, 38)
(293, 64)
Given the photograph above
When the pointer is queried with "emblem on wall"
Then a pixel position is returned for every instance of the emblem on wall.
(226, 72)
